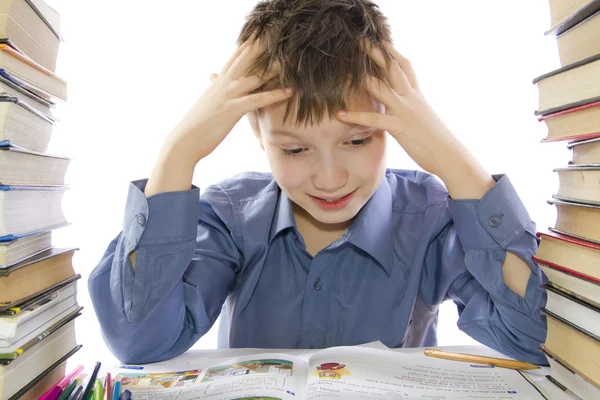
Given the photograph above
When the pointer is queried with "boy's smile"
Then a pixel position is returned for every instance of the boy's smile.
(334, 203)
(329, 170)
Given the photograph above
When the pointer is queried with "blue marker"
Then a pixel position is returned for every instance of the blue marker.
(116, 391)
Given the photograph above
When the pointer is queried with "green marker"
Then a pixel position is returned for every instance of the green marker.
(98, 391)
(66, 393)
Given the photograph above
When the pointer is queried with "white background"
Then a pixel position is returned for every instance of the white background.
(134, 67)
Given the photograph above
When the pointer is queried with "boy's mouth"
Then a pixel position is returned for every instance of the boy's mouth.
(333, 203)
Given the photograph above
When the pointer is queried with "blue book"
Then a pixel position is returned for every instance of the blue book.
(17, 250)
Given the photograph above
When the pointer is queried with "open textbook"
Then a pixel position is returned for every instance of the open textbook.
(334, 373)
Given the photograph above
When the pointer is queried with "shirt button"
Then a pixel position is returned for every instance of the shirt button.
(141, 219)
(495, 221)
(318, 284)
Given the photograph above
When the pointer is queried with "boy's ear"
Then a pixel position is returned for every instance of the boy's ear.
(255, 128)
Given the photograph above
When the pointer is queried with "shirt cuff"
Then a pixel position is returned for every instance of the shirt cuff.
(161, 218)
(496, 219)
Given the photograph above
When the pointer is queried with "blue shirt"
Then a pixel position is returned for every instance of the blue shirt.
(235, 251)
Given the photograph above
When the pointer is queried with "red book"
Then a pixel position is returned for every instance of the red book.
(568, 254)
(580, 122)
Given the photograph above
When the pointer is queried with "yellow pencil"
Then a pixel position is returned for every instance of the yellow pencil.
(496, 362)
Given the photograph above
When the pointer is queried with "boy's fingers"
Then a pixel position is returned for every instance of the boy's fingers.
(395, 75)
(237, 64)
(263, 99)
(234, 57)
(240, 66)
(381, 91)
(405, 64)
(270, 74)
(370, 119)
(250, 83)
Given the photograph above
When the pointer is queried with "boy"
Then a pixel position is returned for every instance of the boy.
(331, 248)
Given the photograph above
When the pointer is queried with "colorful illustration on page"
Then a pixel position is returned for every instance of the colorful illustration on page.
(280, 367)
(149, 381)
(331, 370)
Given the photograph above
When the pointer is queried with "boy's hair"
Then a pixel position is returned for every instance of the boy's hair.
(319, 47)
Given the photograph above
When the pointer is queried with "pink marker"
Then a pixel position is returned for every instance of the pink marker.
(52, 394)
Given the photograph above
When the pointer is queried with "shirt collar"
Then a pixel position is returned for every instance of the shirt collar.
(371, 230)
(284, 215)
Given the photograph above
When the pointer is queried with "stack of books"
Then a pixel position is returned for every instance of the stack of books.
(38, 302)
(569, 253)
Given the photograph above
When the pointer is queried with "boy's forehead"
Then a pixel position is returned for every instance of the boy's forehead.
(273, 116)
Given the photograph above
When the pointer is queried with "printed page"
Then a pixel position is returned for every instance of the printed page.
(271, 376)
(355, 373)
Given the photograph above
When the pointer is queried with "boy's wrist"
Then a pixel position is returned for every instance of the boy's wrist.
(180, 151)
(173, 172)
(465, 178)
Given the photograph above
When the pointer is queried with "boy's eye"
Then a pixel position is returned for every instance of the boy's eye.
(360, 142)
(291, 152)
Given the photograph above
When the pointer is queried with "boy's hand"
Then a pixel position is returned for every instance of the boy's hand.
(408, 117)
(222, 105)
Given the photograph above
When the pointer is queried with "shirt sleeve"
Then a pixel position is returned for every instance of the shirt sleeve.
(186, 260)
(468, 254)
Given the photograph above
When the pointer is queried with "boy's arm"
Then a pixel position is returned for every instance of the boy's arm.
(185, 266)
(466, 179)
(470, 262)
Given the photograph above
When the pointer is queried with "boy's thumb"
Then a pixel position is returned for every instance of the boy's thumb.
(213, 77)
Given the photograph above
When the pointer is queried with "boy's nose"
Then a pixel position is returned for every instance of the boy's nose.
(330, 178)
